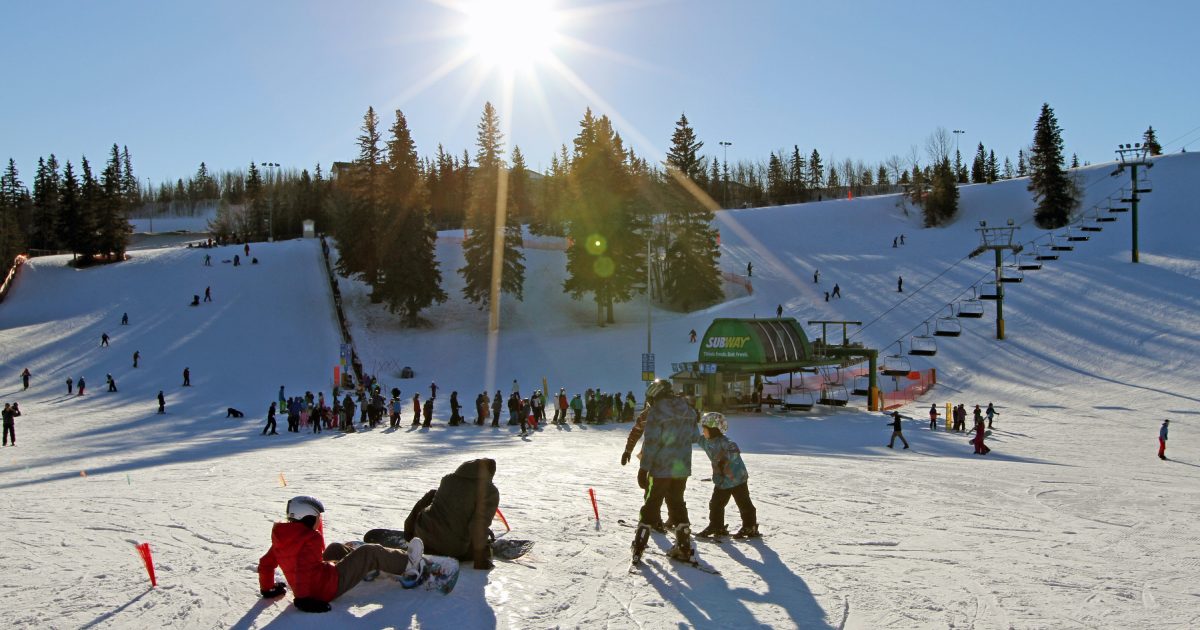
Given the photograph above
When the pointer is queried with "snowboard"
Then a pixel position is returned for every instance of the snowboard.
(440, 574)
(502, 548)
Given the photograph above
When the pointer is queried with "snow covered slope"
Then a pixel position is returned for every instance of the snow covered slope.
(1070, 521)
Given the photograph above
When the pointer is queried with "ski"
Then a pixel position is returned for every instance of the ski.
(695, 565)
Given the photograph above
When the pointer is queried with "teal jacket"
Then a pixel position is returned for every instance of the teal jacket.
(671, 429)
(728, 469)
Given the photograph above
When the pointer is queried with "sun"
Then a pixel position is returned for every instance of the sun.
(511, 34)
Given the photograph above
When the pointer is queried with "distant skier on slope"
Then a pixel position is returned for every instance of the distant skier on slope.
(668, 426)
(980, 430)
(320, 574)
(897, 430)
(933, 416)
(25, 379)
(991, 413)
(1162, 439)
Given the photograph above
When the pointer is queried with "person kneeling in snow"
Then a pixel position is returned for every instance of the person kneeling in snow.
(320, 574)
(453, 520)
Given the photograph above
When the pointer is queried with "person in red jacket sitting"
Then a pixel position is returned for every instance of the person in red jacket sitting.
(320, 574)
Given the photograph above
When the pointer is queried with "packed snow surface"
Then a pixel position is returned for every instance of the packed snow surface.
(1071, 521)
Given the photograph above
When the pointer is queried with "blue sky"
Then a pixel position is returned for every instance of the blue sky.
(227, 82)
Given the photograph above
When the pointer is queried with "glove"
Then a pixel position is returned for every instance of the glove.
(279, 589)
(625, 457)
(310, 605)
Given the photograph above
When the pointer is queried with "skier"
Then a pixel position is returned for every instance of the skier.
(237, 260)
(433, 391)
(207, 260)
(901, 239)
(207, 294)
(80, 385)
(484, 412)
(453, 520)
(455, 419)
(69, 383)
(103, 340)
(816, 276)
(125, 319)
(10, 427)
(247, 250)
(980, 447)
(320, 574)
(692, 336)
(270, 421)
(750, 269)
(669, 427)
(187, 377)
(730, 479)
(977, 417)
(497, 404)
(428, 411)
(933, 416)
(394, 409)
(577, 407)
(826, 296)
(25, 379)
(112, 384)
(991, 413)
(560, 407)
(895, 240)
(136, 355)
(347, 418)
(896, 431)
(1162, 439)
(960, 418)
(416, 410)
(162, 402)
(837, 291)
(900, 284)
(779, 311)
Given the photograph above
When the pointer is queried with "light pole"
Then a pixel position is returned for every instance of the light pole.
(272, 168)
(726, 144)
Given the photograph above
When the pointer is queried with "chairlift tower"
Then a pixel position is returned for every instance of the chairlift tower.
(998, 240)
(1133, 156)
(847, 351)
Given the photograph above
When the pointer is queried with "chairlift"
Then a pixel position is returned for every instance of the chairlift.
(990, 291)
(923, 345)
(1011, 273)
(1073, 237)
(1092, 227)
(1118, 209)
(1043, 254)
(972, 308)
(799, 398)
(1029, 262)
(947, 326)
(832, 375)
(1060, 246)
(862, 385)
(834, 394)
(1105, 219)
(895, 365)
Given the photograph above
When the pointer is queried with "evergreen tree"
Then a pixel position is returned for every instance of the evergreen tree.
(493, 243)
(1150, 141)
(691, 277)
(410, 279)
(13, 199)
(979, 166)
(796, 176)
(88, 225)
(1008, 168)
(777, 182)
(520, 201)
(993, 170)
(941, 204)
(357, 222)
(1022, 169)
(1053, 190)
(1074, 161)
(832, 182)
(816, 176)
(46, 192)
(881, 177)
(960, 169)
(606, 223)
(130, 191)
(112, 225)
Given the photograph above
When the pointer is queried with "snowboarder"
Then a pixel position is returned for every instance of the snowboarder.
(10, 427)
(1162, 439)
(933, 416)
(195, 301)
(347, 418)
(900, 284)
(25, 379)
(991, 413)
(826, 296)
(103, 340)
(136, 355)
(577, 407)
(207, 294)
(980, 430)
(455, 418)
(730, 479)
(816, 276)
(320, 574)
(837, 291)
(453, 520)
(187, 377)
(669, 426)
(895, 240)
(779, 311)
(416, 410)
(692, 336)
(125, 319)
(80, 385)
(428, 412)
(896, 430)
(270, 421)
(162, 402)
(112, 384)
(69, 384)
(237, 260)
(901, 239)
(750, 269)
(433, 391)
(497, 404)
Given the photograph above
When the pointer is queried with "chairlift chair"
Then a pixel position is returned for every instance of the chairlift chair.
(834, 394)
(923, 345)
(862, 385)
(1105, 219)
(991, 291)
(1092, 227)
(895, 365)
(1011, 273)
(1060, 246)
(1118, 209)
(971, 309)
(1029, 262)
(1043, 254)
(799, 398)
(1074, 238)
(947, 327)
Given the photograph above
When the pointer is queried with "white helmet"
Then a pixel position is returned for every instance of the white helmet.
(714, 420)
(299, 507)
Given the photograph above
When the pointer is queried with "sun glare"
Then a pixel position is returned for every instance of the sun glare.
(511, 34)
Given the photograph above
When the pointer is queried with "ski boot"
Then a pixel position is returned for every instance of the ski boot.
(639, 541)
(416, 572)
(683, 549)
(748, 531)
(713, 531)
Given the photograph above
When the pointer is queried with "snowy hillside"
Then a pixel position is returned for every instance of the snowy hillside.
(1071, 521)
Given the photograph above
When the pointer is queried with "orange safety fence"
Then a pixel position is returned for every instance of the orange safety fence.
(11, 276)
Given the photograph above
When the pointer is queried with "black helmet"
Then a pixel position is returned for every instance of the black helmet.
(658, 389)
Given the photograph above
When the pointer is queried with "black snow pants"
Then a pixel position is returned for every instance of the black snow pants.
(741, 496)
(671, 491)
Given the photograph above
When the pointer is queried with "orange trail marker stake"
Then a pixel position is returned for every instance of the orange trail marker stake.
(595, 510)
(282, 481)
(148, 560)
(503, 520)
